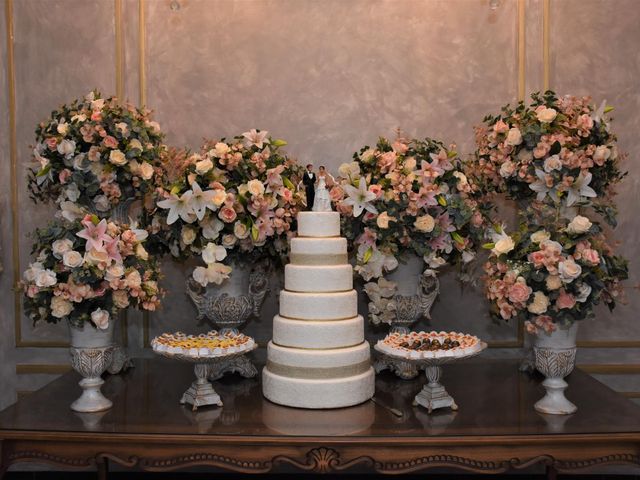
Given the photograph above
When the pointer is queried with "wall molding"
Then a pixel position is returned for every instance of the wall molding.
(610, 368)
(42, 369)
(521, 46)
(119, 50)
(546, 43)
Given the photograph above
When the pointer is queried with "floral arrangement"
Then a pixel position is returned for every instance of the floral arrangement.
(552, 276)
(93, 153)
(88, 270)
(400, 197)
(557, 150)
(234, 198)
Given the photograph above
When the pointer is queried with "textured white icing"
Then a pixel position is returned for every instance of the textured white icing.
(319, 246)
(318, 224)
(332, 357)
(344, 421)
(326, 393)
(318, 334)
(305, 278)
(318, 306)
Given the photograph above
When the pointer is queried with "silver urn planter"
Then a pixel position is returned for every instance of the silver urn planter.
(91, 352)
(417, 291)
(555, 358)
(231, 305)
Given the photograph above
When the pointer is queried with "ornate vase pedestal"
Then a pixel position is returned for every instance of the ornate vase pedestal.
(229, 306)
(91, 354)
(555, 356)
(417, 290)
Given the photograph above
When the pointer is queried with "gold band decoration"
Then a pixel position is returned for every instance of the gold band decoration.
(318, 373)
(320, 259)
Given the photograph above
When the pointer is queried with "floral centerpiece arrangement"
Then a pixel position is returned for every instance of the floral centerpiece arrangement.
(93, 154)
(552, 276)
(557, 150)
(400, 197)
(88, 270)
(234, 199)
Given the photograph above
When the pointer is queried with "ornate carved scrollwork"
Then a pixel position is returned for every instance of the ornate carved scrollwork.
(323, 460)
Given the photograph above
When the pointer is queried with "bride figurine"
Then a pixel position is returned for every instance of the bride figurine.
(322, 200)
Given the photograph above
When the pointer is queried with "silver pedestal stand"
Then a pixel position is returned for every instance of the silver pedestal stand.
(201, 393)
(433, 395)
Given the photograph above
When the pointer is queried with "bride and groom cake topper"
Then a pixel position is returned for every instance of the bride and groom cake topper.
(317, 188)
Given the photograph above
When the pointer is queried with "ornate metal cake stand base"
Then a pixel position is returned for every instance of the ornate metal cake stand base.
(433, 395)
(403, 369)
(237, 364)
(201, 392)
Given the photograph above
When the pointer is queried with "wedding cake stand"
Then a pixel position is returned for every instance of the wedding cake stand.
(201, 392)
(433, 395)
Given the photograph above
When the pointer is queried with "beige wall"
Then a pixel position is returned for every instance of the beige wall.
(329, 76)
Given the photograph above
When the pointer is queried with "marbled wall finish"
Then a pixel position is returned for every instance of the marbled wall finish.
(328, 76)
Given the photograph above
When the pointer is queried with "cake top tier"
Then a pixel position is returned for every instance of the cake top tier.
(318, 224)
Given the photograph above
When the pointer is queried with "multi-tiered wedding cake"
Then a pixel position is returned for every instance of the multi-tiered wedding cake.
(318, 357)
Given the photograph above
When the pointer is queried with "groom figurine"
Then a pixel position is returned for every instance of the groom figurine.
(309, 180)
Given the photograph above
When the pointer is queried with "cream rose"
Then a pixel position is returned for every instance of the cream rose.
(507, 169)
(579, 225)
(134, 144)
(45, 278)
(66, 147)
(552, 163)
(100, 318)
(539, 304)
(504, 245)
(72, 259)
(95, 257)
(146, 170)
(553, 282)
(546, 115)
(255, 187)
(219, 196)
(114, 272)
(203, 166)
(514, 137)
(117, 158)
(462, 179)
(120, 299)
(569, 270)
(133, 279)
(229, 240)
(188, 235)
(240, 230)
(213, 253)
(221, 149)
(60, 307)
(540, 236)
(601, 155)
(141, 253)
(424, 223)
(584, 291)
(349, 170)
(63, 128)
(383, 220)
(60, 247)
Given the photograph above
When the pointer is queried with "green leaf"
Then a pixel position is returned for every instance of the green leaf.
(608, 109)
(367, 255)
(442, 201)
(489, 246)
(278, 143)
(43, 171)
(254, 233)
(287, 183)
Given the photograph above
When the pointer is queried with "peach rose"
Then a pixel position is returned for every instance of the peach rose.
(565, 300)
(227, 214)
(519, 292)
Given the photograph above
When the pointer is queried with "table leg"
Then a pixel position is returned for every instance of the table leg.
(551, 472)
(103, 468)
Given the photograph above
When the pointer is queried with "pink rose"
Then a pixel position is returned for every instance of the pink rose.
(96, 116)
(110, 142)
(64, 175)
(400, 147)
(537, 258)
(500, 127)
(376, 189)
(336, 194)
(51, 142)
(591, 256)
(546, 323)
(227, 214)
(565, 300)
(519, 292)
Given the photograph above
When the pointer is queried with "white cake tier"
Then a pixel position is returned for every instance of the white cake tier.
(318, 306)
(318, 334)
(305, 278)
(324, 363)
(344, 421)
(318, 224)
(318, 251)
(329, 393)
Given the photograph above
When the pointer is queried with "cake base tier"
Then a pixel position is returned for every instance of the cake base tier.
(318, 334)
(316, 394)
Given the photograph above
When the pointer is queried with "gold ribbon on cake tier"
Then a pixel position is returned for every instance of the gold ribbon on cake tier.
(318, 373)
(318, 259)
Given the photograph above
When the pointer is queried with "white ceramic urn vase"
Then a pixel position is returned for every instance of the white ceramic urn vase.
(555, 357)
(91, 353)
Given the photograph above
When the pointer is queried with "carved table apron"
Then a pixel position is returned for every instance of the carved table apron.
(495, 430)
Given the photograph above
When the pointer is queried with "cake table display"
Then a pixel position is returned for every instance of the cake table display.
(205, 351)
(318, 357)
(431, 350)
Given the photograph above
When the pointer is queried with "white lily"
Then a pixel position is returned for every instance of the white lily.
(213, 273)
(201, 200)
(179, 207)
(540, 186)
(140, 233)
(580, 188)
(360, 198)
(254, 137)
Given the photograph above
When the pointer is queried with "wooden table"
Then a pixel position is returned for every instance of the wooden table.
(495, 429)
